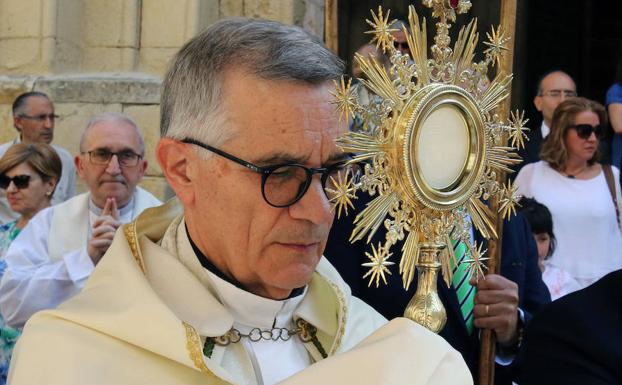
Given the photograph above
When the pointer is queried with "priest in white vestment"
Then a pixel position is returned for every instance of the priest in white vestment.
(226, 284)
(53, 256)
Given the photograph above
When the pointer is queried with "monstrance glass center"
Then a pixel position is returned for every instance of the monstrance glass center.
(443, 147)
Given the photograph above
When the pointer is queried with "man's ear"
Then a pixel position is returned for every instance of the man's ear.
(17, 123)
(537, 101)
(77, 161)
(172, 156)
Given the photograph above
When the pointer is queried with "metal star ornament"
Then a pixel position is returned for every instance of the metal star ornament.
(381, 29)
(345, 100)
(475, 264)
(509, 200)
(378, 265)
(343, 192)
(496, 44)
(518, 129)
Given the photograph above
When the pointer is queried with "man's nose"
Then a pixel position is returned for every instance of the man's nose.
(314, 205)
(113, 167)
(48, 122)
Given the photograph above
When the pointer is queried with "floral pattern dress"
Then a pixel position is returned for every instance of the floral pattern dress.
(8, 335)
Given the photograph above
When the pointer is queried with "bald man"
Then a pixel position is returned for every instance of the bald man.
(553, 88)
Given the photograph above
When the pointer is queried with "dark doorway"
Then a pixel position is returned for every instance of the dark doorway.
(582, 37)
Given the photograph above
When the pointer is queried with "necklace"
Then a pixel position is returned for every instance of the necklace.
(575, 174)
(304, 330)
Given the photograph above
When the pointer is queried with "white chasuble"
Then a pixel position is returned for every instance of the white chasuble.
(144, 315)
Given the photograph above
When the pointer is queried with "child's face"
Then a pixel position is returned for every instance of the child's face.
(543, 240)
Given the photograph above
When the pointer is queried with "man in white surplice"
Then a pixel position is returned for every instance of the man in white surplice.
(56, 252)
(227, 284)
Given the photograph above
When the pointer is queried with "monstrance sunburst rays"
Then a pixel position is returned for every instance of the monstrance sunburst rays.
(382, 150)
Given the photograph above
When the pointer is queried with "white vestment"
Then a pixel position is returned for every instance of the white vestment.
(65, 188)
(48, 261)
(146, 312)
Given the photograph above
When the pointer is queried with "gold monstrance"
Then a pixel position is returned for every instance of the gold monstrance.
(432, 148)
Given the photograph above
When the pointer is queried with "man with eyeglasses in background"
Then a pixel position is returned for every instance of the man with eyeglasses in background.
(227, 283)
(34, 118)
(57, 251)
(553, 88)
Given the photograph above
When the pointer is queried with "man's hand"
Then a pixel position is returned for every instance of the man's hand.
(496, 307)
(103, 231)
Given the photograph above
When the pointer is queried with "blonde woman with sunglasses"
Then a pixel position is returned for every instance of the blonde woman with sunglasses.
(582, 194)
(28, 174)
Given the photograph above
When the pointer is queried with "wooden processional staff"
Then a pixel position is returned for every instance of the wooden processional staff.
(434, 148)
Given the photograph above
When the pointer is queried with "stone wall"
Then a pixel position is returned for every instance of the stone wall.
(77, 97)
(93, 56)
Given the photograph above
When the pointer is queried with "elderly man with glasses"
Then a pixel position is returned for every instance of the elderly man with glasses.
(57, 251)
(227, 284)
(33, 118)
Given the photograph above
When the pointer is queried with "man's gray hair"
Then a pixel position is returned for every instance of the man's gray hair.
(191, 104)
(114, 117)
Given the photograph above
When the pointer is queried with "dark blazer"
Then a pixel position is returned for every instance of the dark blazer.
(531, 152)
(519, 264)
(577, 339)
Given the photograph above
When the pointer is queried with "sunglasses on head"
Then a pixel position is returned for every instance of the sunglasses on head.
(584, 131)
(20, 181)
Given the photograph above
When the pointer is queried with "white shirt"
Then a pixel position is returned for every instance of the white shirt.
(558, 281)
(252, 311)
(33, 280)
(545, 130)
(65, 188)
(589, 240)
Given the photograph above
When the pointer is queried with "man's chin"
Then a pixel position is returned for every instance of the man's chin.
(298, 276)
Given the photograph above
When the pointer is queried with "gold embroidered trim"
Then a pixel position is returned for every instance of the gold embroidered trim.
(193, 344)
(341, 329)
(193, 341)
(130, 234)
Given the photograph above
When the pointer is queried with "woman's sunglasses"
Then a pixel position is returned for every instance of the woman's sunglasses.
(585, 130)
(20, 181)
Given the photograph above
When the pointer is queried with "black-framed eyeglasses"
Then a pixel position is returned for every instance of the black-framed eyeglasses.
(101, 157)
(282, 185)
(584, 131)
(40, 118)
(20, 181)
